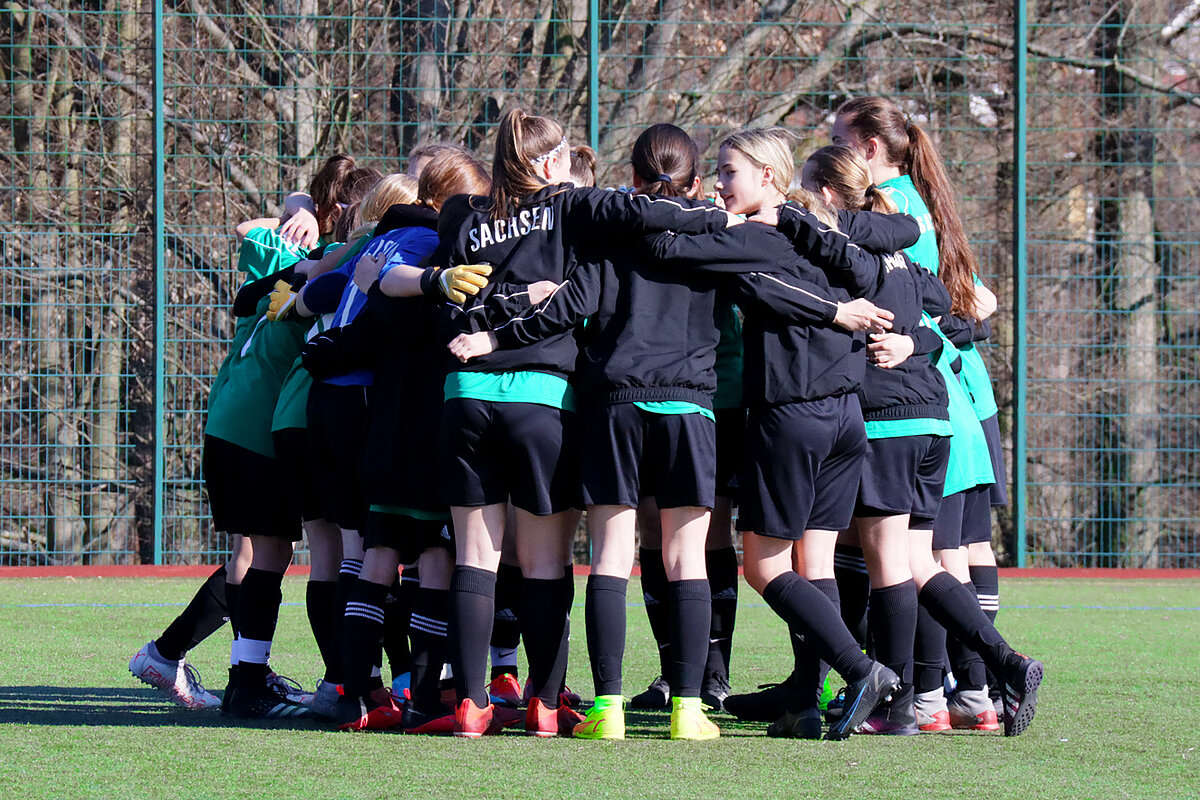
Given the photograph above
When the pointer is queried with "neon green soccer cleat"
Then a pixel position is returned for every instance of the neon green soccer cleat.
(688, 721)
(605, 720)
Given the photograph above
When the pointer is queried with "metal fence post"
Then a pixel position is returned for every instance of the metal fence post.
(1020, 278)
(594, 74)
(160, 287)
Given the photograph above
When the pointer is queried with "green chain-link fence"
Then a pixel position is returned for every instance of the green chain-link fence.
(1079, 195)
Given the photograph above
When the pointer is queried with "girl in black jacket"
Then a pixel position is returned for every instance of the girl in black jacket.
(509, 432)
(805, 439)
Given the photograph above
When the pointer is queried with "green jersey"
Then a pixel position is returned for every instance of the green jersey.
(242, 415)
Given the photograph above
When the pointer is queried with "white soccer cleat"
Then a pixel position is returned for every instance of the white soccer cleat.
(178, 680)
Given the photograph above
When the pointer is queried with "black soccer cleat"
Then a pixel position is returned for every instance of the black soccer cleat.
(862, 696)
(657, 696)
(766, 705)
(714, 690)
(1020, 695)
(804, 724)
(260, 702)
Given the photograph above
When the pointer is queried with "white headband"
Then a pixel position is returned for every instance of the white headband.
(549, 154)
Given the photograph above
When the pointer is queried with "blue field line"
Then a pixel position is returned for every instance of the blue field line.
(1046, 607)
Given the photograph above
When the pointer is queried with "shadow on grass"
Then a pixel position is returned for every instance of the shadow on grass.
(146, 708)
(73, 705)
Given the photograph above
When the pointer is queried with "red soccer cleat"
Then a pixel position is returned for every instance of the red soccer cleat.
(544, 722)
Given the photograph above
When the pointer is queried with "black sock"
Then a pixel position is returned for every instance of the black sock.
(965, 663)
(654, 594)
(204, 614)
(893, 623)
(362, 637)
(691, 619)
(809, 669)
(258, 614)
(722, 568)
(951, 604)
(506, 629)
(564, 647)
(318, 599)
(347, 575)
(545, 608)
(472, 609)
(429, 647)
(233, 593)
(604, 612)
(806, 608)
(854, 587)
(929, 653)
(397, 610)
(987, 588)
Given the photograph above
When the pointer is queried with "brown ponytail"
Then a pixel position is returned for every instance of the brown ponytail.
(666, 160)
(909, 147)
(353, 188)
(327, 190)
(521, 139)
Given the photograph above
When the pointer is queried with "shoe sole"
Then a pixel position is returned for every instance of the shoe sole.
(1022, 715)
(894, 732)
(810, 733)
(858, 711)
(174, 698)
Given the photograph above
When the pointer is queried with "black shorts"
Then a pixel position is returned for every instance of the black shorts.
(523, 453)
(243, 491)
(948, 527)
(904, 475)
(291, 448)
(802, 466)
(998, 491)
(632, 453)
(407, 535)
(337, 438)
(731, 445)
(977, 515)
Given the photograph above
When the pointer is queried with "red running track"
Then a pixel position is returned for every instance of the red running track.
(201, 571)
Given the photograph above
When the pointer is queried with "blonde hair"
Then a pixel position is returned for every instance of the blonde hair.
(394, 189)
(521, 140)
(773, 147)
(845, 173)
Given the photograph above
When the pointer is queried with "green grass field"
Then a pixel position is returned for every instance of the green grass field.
(1118, 716)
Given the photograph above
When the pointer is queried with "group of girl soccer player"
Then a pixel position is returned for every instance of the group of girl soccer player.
(434, 373)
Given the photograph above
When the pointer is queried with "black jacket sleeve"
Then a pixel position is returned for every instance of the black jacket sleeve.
(246, 302)
(935, 299)
(925, 340)
(831, 250)
(958, 330)
(733, 250)
(575, 299)
(983, 331)
(879, 233)
(609, 212)
(323, 295)
(786, 296)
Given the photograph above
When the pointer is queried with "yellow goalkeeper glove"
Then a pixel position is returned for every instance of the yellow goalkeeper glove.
(282, 301)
